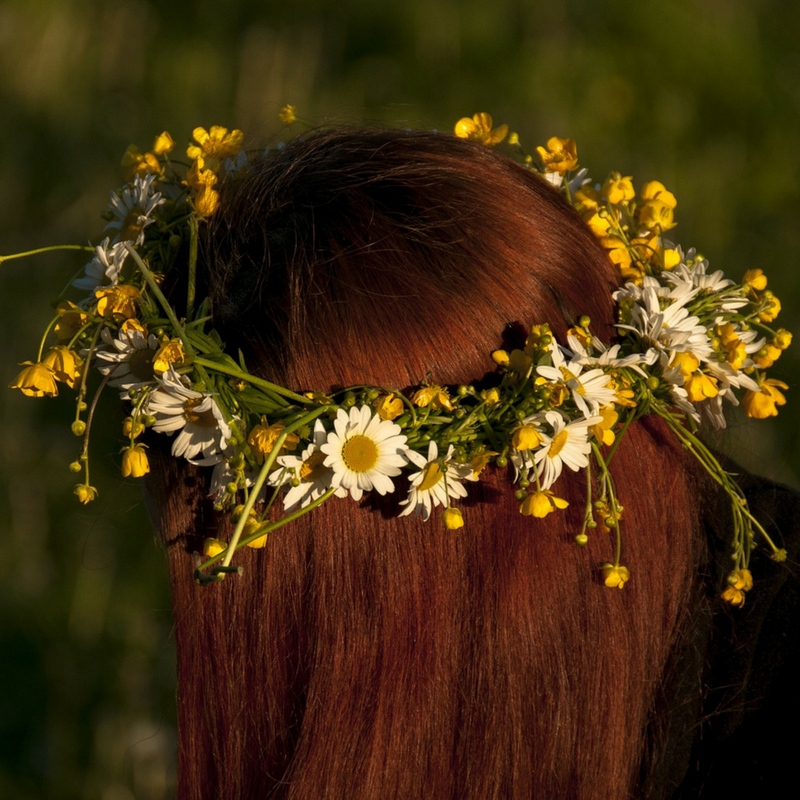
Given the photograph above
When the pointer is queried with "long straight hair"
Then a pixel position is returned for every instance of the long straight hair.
(365, 656)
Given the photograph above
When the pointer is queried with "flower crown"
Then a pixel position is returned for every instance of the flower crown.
(689, 339)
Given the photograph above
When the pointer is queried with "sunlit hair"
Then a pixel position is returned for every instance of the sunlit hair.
(362, 655)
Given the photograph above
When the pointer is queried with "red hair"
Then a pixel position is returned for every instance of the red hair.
(365, 656)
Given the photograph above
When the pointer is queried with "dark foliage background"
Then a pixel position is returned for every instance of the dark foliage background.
(702, 96)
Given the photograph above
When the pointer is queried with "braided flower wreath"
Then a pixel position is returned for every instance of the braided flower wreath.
(689, 339)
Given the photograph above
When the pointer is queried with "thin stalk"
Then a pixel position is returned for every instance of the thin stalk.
(262, 476)
(164, 303)
(191, 287)
(52, 248)
(269, 388)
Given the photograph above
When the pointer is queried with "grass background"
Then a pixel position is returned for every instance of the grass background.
(704, 96)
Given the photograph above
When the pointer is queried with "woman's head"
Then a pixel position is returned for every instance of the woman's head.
(396, 254)
(372, 656)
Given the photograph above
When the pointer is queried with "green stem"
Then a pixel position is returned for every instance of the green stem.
(234, 372)
(164, 303)
(89, 418)
(82, 248)
(262, 476)
(608, 483)
(587, 514)
(46, 334)
(618, 439)
(191, 286)
(85, 374)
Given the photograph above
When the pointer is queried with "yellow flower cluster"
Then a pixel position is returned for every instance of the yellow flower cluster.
(739, 582)
(208, 155)
(134, 162)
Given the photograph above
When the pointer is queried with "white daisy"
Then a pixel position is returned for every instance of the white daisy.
(133, 208)
(569, 444)
(308, 468)
(693, 271)
(601, 356)
(680, 398)
(590, 390)
(130, 357)
(664, 322)
(203, 429)
(104, 269)
(432, 486)
(727, 379)
(364, 451)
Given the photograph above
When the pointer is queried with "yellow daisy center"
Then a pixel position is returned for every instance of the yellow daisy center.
(557, 445)
(141, 364)
(431, 476)
(312, 468)
(131, 226)
(573, 381)
(205, 419)
(360, 453)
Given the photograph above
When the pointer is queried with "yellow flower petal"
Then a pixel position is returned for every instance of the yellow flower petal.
(560, 156)
(480, 129)
(134, 462)
(526, 437)
(755, 279)
(117, 301)
(263, 437)
(764, 402)
(700, 387)
(618, 189)
(287, 115)
(452, 518)
(85, 493)
(541, 503)
(36, 380)
(213, 547)
(67, 366)
(163, 144)
(655, 190)
(389, 406)
(615, 577)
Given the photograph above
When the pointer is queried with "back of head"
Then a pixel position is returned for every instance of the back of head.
(370, 656)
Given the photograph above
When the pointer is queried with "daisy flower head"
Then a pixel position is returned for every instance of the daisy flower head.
(364, 452)
(598, 355)
(664, 322)
(203, 431)
(105, 268)
(436, 482)
(308, 471)
(568, 445)
(128, 358)
(693, 272)
(133, 209)
(589, 390)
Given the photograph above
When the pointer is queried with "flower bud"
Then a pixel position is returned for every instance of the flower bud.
(213, 547)
(85, 493)
(453, 520)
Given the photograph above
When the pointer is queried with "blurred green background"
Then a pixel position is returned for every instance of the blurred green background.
(704, 96)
